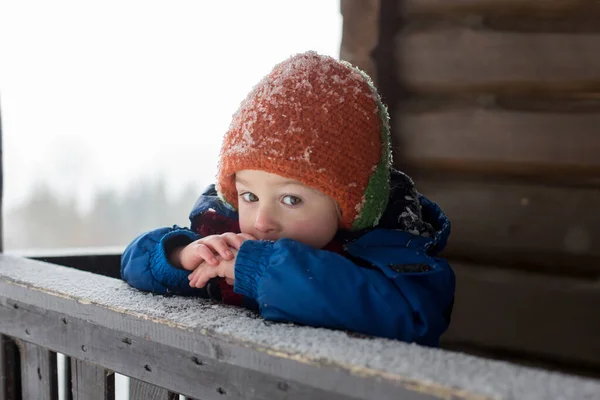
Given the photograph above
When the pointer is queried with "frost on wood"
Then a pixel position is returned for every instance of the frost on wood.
(387, 357)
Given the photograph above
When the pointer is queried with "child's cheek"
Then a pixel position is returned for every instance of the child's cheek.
(299, 228)
(313, 233)
(246, 226)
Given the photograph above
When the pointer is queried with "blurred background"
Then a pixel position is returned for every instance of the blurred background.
(113, 112)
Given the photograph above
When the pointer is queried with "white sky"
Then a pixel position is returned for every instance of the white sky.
(101, 94)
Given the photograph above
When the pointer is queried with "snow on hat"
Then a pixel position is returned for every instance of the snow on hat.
(318, 121)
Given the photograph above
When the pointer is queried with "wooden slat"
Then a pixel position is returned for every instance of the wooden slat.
(577, 24)
(534, 173)
(462, 59)
(38, 372)
(91, 382)
(510, 7)
(479, 135)
(574, 24)
(523, 225)
(10, 384)
(528, 313)
(139, 390)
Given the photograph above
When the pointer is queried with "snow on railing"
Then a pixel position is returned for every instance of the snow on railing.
(176, 345)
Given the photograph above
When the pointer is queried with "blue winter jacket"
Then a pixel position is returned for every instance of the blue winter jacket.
(387, 283)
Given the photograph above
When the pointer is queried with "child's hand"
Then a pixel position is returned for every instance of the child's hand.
(224, 269)
(207, 249)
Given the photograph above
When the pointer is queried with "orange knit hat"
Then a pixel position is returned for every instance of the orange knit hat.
(318, 121)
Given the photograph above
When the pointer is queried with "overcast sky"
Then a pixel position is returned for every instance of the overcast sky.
(105, 93)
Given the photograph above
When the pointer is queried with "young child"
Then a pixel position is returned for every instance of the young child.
(308, 221)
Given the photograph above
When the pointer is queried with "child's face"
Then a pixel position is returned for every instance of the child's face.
(272, 207)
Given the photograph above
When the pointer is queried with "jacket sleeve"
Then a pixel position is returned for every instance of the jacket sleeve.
(293, 282)
(145, 264)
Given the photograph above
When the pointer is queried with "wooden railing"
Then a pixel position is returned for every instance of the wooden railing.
(175, 345)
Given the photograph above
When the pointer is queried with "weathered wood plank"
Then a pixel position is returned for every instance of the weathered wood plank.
(523, 225)
(10, 374)
(492, 135)
(91, 382)
(461, 59)
(526, 312)
(139, 390)
(505, 7)
(576, 24)
(539, 174)
(38, 372)
(190, 373)
(194, 346)
(190, 360)
(360, 33)
(553, 22)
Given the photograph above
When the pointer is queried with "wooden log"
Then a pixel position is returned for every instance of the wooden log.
(38, 372)
(504, 7)
(576, 24)
(553, 24)
(526, 312)
(139, 390)
(539, 227)
(195, 347)
(10, 374)
(360, 33)
(458, 59)
(91, 382)
(474, 134)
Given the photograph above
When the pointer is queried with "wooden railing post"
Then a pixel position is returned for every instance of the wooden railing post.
(139, 390)
(91, 382)
(10, 382)
(38, 371)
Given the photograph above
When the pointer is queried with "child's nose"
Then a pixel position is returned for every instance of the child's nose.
(265, 221)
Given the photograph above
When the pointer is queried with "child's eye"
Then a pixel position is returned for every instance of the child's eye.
(291, 200)
(249, 197)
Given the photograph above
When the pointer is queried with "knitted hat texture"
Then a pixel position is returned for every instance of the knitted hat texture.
(318, 121)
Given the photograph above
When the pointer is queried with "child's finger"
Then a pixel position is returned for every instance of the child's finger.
(222, 248)
(243, 237)
(247, 236)
(204, 253)
(204, 275)
(194, 276)
(232, 241)
(235, 240)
